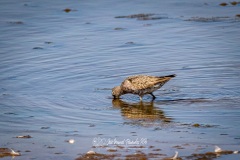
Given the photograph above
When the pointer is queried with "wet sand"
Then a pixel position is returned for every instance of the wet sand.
(59, 61)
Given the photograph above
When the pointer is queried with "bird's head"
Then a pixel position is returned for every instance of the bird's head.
(116, 92)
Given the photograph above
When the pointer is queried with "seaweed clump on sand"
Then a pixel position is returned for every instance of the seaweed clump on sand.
(234, 3)
(197, 125)
(96, 156)
(223, 4)
(16, 22)
(142, 16)
(25, 136)
(203, 156)
(208, 19)
(8, 152)
(137, 155)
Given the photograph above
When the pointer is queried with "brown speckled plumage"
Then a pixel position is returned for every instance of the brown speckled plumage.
(140, 85)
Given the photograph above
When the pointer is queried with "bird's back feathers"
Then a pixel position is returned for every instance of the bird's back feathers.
(143, 82)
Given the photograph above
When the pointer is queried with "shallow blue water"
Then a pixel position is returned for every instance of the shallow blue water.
(57, 69)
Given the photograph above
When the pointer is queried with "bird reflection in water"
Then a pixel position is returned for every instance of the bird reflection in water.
(141, 111)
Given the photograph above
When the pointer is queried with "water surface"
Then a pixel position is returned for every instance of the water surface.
(57, 69)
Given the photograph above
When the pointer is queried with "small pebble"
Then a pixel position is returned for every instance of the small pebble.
(91, 152)
(67, 10)
(91, 125)
(71, 141)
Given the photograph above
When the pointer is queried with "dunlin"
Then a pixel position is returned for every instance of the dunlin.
(140, 85)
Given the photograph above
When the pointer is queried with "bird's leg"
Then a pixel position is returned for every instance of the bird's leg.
(152, 96)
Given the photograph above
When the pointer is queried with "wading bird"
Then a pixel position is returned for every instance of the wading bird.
(140, 85)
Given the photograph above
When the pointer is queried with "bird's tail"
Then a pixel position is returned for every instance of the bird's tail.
(172, 75)
(164, 79)
(169, 76)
